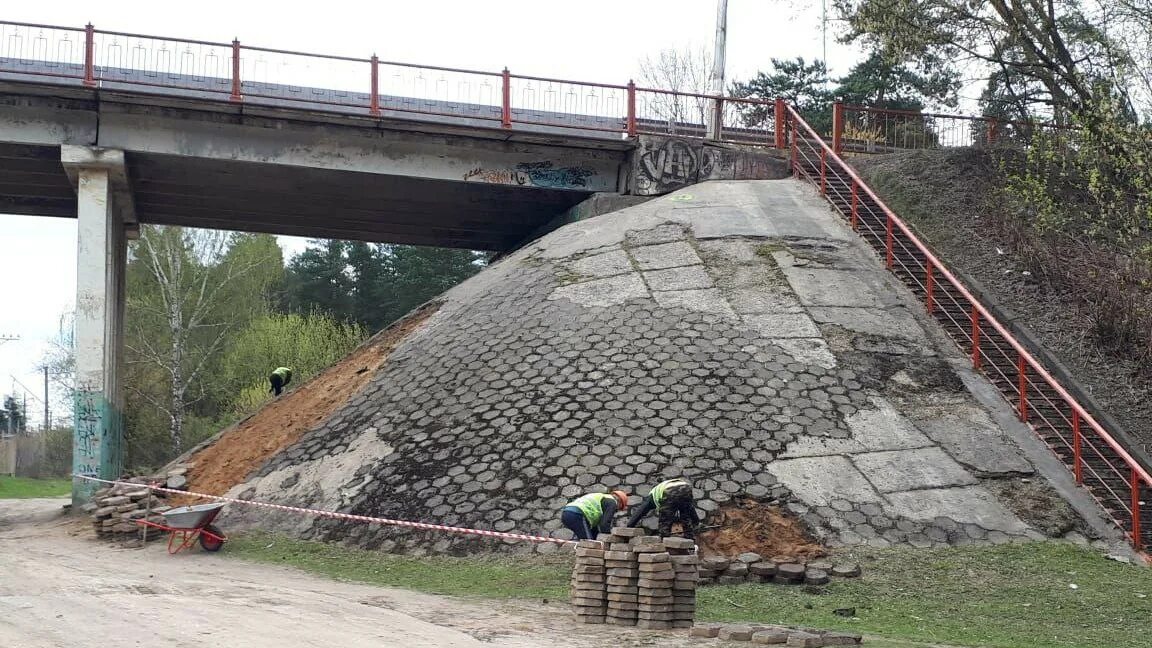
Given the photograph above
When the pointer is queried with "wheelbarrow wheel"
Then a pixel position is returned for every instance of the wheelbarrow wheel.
(209, 543)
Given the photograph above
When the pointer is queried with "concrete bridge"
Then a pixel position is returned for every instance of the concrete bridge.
(117, 129)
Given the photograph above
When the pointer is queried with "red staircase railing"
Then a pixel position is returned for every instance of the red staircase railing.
(1098, 462)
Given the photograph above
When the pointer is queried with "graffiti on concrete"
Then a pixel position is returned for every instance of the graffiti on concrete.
(88, 424)
(544, 174)
(672, 164)
(537, 174)
(496, 176)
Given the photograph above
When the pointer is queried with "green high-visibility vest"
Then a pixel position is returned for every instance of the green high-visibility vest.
(658, 489)
(592, 506)
(284, 372)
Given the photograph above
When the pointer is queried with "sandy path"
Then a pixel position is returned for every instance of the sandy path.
(59, 587)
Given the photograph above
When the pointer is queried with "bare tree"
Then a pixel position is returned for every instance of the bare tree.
(683, 70)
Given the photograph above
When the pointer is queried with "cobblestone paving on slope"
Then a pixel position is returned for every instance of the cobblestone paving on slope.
(756, 367)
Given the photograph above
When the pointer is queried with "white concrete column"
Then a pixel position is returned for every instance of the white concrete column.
(100, 268)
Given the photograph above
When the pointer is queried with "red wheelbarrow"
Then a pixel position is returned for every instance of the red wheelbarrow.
(190, 524)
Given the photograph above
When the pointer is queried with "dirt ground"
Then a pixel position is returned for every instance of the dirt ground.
(59, 587)
(949, 196)
(247, 445)
(759, 528)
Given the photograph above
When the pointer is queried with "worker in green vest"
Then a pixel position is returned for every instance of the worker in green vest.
(280, 379)
(590, 514)
(673, 502)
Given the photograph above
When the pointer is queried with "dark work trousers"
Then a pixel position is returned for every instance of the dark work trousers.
(277, 385)
(678, 506)
(573, 519)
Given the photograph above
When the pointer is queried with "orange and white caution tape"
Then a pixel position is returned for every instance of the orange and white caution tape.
(522, 537)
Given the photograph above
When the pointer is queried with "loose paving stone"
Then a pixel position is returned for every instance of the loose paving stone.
(749, 558)
(846, 570)
(763, 568)
(790, 571)
(816, 577)
(735, 633)
(804, 640)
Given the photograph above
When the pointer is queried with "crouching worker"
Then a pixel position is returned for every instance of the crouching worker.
(280, 379)
(673, 502)
(591, 514)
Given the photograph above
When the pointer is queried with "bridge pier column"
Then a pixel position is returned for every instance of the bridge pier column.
(101, 250)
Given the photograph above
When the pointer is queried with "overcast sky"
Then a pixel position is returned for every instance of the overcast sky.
(593, 40)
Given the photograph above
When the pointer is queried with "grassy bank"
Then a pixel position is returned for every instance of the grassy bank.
(1016, 596)
(24, 487)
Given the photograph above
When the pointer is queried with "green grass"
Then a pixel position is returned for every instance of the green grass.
(24, 487)
(1015, 596)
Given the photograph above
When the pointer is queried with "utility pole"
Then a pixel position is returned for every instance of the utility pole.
(47, 418)
(716, 119)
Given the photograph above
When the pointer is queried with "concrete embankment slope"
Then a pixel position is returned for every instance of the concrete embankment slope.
(735, 333)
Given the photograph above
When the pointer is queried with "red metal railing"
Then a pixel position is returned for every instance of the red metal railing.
(860, 129)
(231, 71)
(1098, 462)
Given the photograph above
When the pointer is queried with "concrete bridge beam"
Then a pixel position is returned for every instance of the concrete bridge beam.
(103, 207)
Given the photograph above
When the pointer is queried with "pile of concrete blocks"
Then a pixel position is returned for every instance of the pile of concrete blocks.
(588, 582)
(623, 576)
(777, 635)
(752, 568)
(646, 581)
(685, 565)
(116, 509)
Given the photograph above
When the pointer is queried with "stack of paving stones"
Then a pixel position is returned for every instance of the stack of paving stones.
(655, 586)
(777, 635)
(588, 582)
(115, 510)
(685, 566)
(623, 576)
(786, 570)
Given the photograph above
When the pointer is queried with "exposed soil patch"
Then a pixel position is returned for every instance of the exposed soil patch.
(1038, 504)
(950, 197)
(760, 528)
(244, 447)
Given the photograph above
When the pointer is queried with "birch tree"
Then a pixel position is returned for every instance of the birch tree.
(188, 290)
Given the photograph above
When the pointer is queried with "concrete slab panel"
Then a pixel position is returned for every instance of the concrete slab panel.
(684, 278)
(813, 351)
(883, 428)
(764, 299)
(703, 301)
(882, 322)
(667, 255)
(966, 504)
(823, 287)
(783, 325)
(903, 470)
(608, 264)
(665, 233)
(968, 434)
(740, 252)
(603, 292)
(818, 480)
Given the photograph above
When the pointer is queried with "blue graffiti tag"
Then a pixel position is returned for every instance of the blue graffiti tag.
(542, 174)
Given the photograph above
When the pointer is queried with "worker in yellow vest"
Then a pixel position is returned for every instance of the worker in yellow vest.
(673, 502)
(590, 514)
(280, 379)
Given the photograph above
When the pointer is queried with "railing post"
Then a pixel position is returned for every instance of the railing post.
(89, 55)
(631, 123)
(1135, 485)
(823, 171)
(1077, 457)
(854, 220)
(506, 112)
(374, 102)
(795, 149)
(838, 127)
(976, 361)
(780, 118)
(930, 286)
(1022, 371)
(236, 71)
(890, 255)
